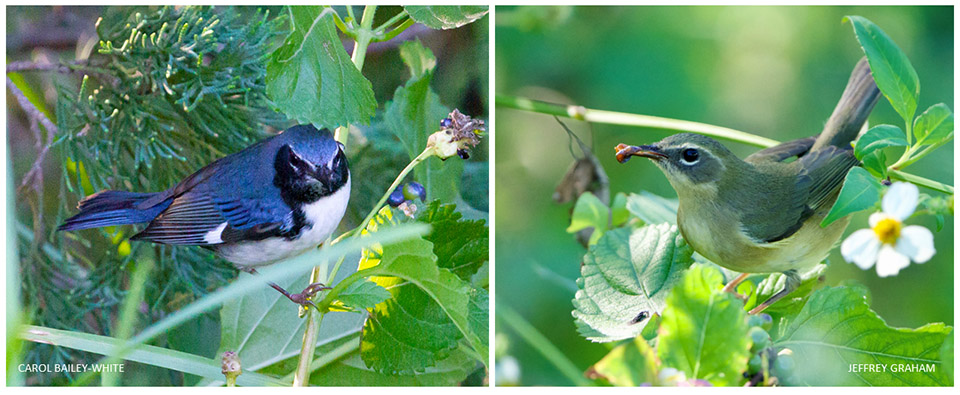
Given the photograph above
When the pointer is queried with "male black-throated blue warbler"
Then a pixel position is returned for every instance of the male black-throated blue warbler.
(762, 214)
(272, 200)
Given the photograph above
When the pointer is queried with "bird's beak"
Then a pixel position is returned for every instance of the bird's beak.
(624, 152)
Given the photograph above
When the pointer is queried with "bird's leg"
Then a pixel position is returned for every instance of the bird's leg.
(731, 286)
(302, 298)
(793, 281)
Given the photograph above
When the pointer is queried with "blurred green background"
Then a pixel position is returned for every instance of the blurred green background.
(771, 71)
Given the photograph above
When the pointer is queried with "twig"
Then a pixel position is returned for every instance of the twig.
(79, 67)
(36, 171)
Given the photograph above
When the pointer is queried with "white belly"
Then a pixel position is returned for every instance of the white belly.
(324, 214)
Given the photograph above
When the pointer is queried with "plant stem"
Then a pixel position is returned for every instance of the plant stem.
(329, 357)
(315, 318)
(512, 319)
(395, 32)
(386, 25)
(383, 199)
(128, 316)
(620, 118)
(921, 181)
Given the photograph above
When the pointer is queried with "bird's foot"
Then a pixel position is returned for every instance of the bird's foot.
(731, 286)
(303, 298)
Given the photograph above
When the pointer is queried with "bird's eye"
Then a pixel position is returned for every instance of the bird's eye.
(690, 156)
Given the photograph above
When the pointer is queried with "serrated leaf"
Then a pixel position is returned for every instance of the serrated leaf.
(413, 114)
(363, 294)
(934, 125)
(891, 68)
(407, 333)
(619, 214)
(351, 371)
(628, 365)
(311, 78)
(704, 330)
(836, 331)
(479, 314)
(431, 297)
(628, 272)
(419, 59)
(445, 17)
(880, 136)
(860, 191)
(653, 209)
(589, 212)
(462, 246)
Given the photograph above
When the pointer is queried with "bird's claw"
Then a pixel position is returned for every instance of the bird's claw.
(303, 298)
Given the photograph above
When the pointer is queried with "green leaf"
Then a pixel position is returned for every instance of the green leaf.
(462, 246)
(264, 327)
(419, 59)
(792, 303)
(445, 17)
(618, 210)
(146, 354)
(653, 209)
(876, 163)
(626, 274)
(860, 191)
(836, 331)
(629, 364)
(281, 273)
(351, 371)
(429, 313)
(880, 136)
(704, 330)
(946, 355)
(413, 114)
(311, 78)
(589, 212)
(363, 294)
(891, 69)
(934, 125)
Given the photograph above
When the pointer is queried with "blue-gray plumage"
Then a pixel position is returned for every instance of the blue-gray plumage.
(272, 200)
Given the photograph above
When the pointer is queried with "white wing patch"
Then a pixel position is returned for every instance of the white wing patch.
(213, 236)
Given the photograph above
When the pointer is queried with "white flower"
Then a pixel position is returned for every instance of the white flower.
(888, 243)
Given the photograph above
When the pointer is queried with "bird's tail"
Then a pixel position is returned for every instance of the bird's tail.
(108, 208)
(855, 105)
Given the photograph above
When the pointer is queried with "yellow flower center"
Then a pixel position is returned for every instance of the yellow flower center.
(887, 230)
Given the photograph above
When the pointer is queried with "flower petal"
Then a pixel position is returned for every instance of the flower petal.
(861, 248)
(889, 261)
(900, 200)
(916, 242)
(875, 218)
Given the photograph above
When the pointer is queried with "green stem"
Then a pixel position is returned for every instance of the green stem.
(909, 159)
(389, 23)
(128, 316)
(340, 25)
(512, 319)
(620, 118)
(329, 357)
(314, 318)
(395, 32)
(921, 181)
(403, 173)
(364, 35)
